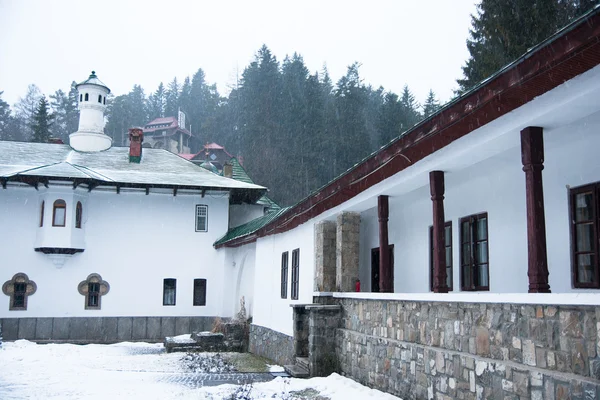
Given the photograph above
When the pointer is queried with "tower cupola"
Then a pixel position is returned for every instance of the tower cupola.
(92, 104)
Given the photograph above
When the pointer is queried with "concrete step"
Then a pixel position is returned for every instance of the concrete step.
(302, 362)
(296, 371)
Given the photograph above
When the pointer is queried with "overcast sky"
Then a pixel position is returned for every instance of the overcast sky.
(421, 43)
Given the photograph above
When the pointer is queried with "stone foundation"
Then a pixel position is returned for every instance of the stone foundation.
(425, 350)
(102, 329)
(271, 344)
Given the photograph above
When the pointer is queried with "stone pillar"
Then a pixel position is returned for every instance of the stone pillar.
(323, 324)
(347, 247)
(436, 187)
(300, 330)
(532, 155)
(325, 259)
(386, 283)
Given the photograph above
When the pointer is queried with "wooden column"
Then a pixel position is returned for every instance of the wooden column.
(436, 187)
(385, 270)
(532, 155)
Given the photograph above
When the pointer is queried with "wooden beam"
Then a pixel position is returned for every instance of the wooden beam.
(385, 270)
(174, 191)
(436, 187)
(532, 156)
(203, 192)
(118, 189)
(147, 190)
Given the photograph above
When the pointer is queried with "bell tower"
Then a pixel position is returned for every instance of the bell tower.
(92, 104)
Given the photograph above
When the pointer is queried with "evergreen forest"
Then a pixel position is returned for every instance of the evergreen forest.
(296, 129)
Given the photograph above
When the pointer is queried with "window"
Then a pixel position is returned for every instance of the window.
(199, 292)
(93, 288)
(448, 246)
(78, 215)
(584, 236)
(169, 288)
(100, 98)
(59, 213)
(87, 97)
(284, 274)
(93, 294)
(104, 100)
(80, 98)
(295, 273)
(42, 215)
(201, 218)
(19, 288)
(474, 259)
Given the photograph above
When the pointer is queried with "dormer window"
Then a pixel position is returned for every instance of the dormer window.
(59, 213)
(87, 97)
(42, 215)
(78, 215)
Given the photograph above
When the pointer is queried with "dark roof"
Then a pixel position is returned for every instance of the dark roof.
(158, 168)
(249, 228)
(570, 52)
(240, 174)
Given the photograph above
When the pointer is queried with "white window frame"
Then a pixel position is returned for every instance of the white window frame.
(201, 208)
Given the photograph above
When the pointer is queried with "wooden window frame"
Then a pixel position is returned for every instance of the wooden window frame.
(284, 274)
(199, 292)
(198, 208)
(174, 281)
(9, 288)
(93, 293)
(61, 204)
(594, 188)
(87, 288)
(42, 214)
(470, 286)
(295, 284)
(78, 215)
(450, 267)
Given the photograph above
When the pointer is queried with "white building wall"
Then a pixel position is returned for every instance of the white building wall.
(132, 240)
(270, 310)
(239, 265)
(241, 213)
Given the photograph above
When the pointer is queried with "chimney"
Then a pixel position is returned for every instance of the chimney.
(228, 170)
(136, 138)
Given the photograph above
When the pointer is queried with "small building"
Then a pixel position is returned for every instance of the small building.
(105, 244)
(166, 133)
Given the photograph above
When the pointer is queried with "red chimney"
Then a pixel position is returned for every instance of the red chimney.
(136, 138)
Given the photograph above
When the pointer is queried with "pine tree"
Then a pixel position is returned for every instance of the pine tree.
(431, 106)
(172, 99)
(24, 110)
(157, 103)
(42, 120)
(503, 30)
(66, 114)
(391, 118)
(410, 108)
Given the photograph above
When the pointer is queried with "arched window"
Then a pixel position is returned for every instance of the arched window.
(87, 97)
(78, 215)
(42, 215)
(59, 213)
(100, 98)
(80, 98)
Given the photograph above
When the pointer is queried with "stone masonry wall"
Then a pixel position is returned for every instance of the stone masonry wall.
(325, 256)
(271, 344)
(323, 323)
(347, 251)
(101, 329)
(426, 350)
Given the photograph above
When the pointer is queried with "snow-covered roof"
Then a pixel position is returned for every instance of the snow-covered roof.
(157, 168)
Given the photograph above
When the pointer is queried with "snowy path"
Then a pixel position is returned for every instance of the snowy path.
(138, 371)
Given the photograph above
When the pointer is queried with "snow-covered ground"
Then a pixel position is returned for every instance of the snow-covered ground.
(136, 371)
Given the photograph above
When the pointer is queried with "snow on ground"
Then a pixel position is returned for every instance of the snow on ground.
(134, 371)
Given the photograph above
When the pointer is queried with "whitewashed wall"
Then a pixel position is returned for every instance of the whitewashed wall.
(270, 310)
(239, 270)
(241, 213)
(132, 240)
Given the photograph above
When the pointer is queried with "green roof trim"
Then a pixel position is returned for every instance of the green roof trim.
(249, 227)
(240, 174)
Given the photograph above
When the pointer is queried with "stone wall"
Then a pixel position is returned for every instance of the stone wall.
(323, 323)
(471, 351)
(271, 344)
(101, 329)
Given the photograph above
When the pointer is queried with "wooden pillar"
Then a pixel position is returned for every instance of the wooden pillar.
(385, 270)
(532, 155)
(436, 187)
